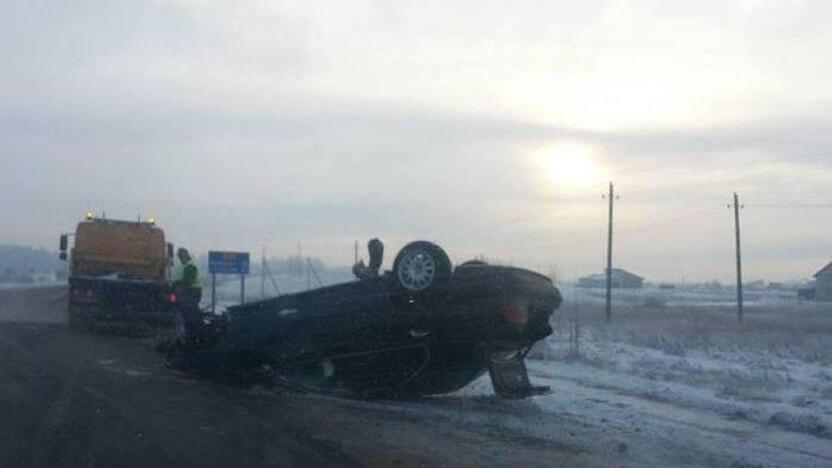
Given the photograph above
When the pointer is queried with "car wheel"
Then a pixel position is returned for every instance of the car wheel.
(421, 267)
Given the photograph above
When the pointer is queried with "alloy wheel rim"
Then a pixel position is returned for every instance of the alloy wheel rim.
(417, 271)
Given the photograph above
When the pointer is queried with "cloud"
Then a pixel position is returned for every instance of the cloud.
(268, 124)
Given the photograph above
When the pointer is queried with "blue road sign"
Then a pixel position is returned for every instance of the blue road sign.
(235, 263)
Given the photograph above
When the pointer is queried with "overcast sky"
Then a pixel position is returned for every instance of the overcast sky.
(489, 127)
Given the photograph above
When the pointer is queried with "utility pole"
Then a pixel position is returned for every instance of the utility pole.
(736, 205)
(575, 333)
(611, 197)
(355, 259)
(242, 289)
(311, 268)
(263, 273)
(213, 293)
(299, 270)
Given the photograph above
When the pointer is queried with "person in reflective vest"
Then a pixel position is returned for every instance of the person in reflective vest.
(188, 287)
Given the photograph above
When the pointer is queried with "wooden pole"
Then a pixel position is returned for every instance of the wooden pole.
(609, 254)
(242, 289)
(263, 273)
(739, 255)
(213, 293)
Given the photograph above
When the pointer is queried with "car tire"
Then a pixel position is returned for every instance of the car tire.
(422, 267)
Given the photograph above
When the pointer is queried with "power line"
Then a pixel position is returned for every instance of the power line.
(790, 205)
(804, 155)
(788, 192)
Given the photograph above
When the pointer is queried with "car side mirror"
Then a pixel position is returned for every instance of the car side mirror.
(63, 246)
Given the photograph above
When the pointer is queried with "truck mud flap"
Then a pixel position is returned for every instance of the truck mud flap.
(510, 378)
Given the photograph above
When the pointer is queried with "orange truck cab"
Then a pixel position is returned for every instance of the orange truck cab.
(119, 274)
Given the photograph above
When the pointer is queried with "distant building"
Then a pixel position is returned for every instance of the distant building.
(592, 281)
(620, 279)
(806, 293)
(756, 285)
(823, 283)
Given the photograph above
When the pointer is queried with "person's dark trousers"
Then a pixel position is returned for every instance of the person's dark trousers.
(191, 313)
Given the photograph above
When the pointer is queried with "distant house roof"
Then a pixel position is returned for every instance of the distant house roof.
(616, 273)
(622, 272)
(823, 270)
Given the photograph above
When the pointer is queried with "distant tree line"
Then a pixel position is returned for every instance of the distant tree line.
(22, 263)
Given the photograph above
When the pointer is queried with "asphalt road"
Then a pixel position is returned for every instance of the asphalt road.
(74, 399)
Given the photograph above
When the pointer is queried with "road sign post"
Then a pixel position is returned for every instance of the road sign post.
(213, 293)
(227, 263)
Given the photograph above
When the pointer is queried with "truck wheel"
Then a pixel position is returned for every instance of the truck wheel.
(421, 267)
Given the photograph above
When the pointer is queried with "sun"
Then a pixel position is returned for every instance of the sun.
(569, 165)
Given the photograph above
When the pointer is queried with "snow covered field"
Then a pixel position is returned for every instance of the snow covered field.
(669, 383)
(774, 368)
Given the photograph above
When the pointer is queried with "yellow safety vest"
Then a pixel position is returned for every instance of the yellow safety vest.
(180, 275)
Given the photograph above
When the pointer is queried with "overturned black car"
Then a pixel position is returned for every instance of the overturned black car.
(422, 328)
